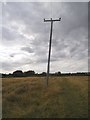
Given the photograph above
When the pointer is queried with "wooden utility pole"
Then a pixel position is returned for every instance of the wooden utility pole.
(48, 67)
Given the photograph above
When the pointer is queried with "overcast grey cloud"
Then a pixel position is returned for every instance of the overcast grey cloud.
(25, 36)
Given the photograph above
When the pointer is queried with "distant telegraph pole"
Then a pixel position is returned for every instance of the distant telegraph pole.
(48, 67)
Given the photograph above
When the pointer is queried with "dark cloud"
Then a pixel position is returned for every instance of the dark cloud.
(27, 49)
(23, 25)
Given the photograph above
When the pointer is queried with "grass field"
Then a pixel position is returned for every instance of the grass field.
(65, 97)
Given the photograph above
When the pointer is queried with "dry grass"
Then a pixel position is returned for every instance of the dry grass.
(65, 97)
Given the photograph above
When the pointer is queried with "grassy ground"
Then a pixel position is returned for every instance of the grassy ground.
(65, 97)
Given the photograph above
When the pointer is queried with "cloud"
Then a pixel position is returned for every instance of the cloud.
(8, 34)
(27, 49)
(26, 35)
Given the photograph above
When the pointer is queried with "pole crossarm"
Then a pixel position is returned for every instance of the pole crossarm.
(53, 20)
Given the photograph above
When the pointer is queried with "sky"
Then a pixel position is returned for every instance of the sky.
(25, 36)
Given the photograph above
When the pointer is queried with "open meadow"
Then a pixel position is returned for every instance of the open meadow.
(28, 97)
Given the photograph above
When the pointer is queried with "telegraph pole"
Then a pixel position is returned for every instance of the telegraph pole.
(48, 67)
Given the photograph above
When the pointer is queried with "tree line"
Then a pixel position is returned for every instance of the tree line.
(31, 73)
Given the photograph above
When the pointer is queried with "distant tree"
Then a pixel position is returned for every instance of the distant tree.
(4, 75)
(43, 73)
(57, 73)
(10, 75)
(29, 73)
(18, 73)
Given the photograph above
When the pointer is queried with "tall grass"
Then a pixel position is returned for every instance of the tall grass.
(65, 97)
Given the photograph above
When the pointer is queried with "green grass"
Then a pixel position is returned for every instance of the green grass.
(65, 97)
